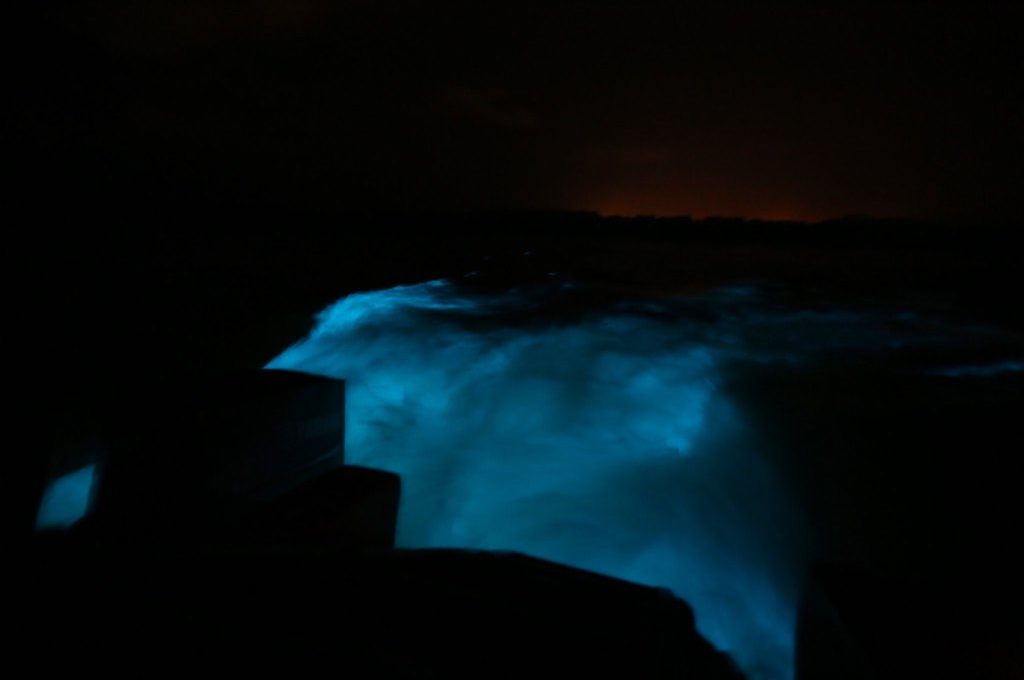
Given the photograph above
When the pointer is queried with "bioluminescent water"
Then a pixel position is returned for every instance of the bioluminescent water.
(597, 435)
(67, 499)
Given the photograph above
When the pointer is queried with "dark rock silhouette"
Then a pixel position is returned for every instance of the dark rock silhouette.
(228, 534)
(187, 456)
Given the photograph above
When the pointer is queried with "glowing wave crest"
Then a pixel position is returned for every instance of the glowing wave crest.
(602, 443)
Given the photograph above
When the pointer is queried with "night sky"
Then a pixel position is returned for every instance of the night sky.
(783, 111)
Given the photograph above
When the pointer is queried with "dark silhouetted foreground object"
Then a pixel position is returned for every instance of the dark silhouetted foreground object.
(857, 625)
(346, 507)
(229, 536)
(248, 458)
(408, 614)
(191, 456)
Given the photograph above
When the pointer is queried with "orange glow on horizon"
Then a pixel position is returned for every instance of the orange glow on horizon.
(633, 207)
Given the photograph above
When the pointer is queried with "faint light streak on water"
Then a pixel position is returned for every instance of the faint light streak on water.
(980, 370)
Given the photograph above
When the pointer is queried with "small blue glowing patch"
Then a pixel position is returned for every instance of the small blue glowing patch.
(66, 499)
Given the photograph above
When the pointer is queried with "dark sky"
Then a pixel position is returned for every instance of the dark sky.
(775, 111)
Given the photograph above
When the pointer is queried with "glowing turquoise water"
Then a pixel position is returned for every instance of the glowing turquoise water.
(604, 444)
(66, 499)
(604, 440)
